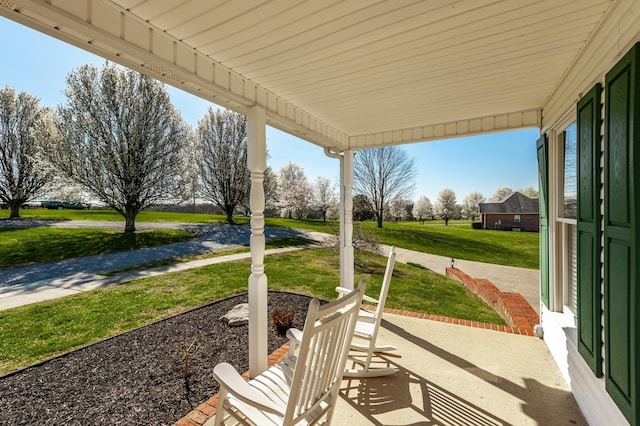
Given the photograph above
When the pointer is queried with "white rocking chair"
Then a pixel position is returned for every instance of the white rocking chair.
(367, 329)
(301, 389)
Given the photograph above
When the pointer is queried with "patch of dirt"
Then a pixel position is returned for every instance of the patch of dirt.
(137, 378)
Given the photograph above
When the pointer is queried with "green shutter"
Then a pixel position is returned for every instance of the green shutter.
(621, 234)
(543, 196)
(588, 239)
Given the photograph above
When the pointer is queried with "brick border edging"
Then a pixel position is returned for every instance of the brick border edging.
(513, 307)
(207, 410)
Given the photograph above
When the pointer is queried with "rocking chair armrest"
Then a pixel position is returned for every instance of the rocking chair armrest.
(295, 338)
(229, 378)
(294, 335)
(344, 291)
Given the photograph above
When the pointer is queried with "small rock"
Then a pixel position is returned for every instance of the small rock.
(237, 316)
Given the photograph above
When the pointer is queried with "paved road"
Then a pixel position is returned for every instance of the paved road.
(211, 238)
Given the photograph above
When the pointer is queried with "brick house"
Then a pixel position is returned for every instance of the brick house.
(517, 212)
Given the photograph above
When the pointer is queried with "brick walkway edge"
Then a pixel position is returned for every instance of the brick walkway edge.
(513, 307)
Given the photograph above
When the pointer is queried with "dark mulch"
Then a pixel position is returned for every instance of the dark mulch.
(137, 378)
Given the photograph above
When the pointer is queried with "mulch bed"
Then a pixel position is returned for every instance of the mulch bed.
(137, 378)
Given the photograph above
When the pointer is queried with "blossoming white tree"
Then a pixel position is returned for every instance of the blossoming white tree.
(324, 196)
(471, 205)
(121, 138)
(422, 209)
(22, 134)
(294, 191)
(221, 146)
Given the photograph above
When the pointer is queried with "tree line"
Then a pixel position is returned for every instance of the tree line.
(118, 139)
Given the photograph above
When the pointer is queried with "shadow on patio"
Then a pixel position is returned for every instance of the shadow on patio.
(456, 375)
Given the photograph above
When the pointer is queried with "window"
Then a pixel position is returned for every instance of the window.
(568, 168)
(570, 187)
(516, 218)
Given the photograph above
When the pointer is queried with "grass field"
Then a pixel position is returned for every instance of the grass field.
(24, 246)
(457, 240)
(40, 331)
(107, 215)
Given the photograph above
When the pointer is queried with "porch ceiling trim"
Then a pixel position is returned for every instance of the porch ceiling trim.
(453, 129)
(102, 28)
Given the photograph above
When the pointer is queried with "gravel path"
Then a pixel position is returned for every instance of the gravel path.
(211, 237)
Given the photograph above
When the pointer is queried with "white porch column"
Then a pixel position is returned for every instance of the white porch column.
(346, 221)
(346, 216)
(257, 163)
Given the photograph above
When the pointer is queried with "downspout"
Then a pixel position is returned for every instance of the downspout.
(346, 215)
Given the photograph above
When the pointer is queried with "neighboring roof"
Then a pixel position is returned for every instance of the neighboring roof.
(349, 74)
(515, 203)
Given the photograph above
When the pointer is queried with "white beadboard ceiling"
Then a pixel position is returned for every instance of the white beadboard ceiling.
(343, 73)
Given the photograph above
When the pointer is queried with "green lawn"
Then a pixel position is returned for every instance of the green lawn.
(39, 331)
(457, 240)
(108, 215)
(23, 246)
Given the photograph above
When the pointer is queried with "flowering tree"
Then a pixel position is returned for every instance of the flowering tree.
(446, 207)
(221, 147)
(501, 194)
(471, 205)
(422, 209)
(120, 137)
(324, 196)
(398, 208)
(23, 131)
(294, 191)
(529, 191)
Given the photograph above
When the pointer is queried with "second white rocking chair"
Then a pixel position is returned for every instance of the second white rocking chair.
(367, 329)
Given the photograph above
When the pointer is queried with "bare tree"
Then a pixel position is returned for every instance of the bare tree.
(324, 196)
(23, 131)
(501, 194)
(294, 191)
(422, 209)
(471, 205)
(446, 207)
(381, 174)
(221, 144)
(121, 138)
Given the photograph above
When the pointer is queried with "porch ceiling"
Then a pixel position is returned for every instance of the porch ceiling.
(342, 73)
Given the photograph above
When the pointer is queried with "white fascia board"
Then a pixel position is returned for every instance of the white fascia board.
(531, 118)
(104, 29)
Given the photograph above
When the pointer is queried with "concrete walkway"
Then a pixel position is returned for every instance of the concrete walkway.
(20, 286)
(506, 278)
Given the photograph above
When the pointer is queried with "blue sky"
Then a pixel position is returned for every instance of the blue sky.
(38, 64)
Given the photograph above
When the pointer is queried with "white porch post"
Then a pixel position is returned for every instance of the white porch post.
(346, 221)
(257, 163)
(346, 216)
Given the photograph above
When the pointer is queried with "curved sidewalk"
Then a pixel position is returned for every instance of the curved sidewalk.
(506, 278)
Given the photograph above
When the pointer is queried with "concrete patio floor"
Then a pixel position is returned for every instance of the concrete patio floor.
(458, 375)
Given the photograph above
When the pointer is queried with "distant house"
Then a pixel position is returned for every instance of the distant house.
(517, 212)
